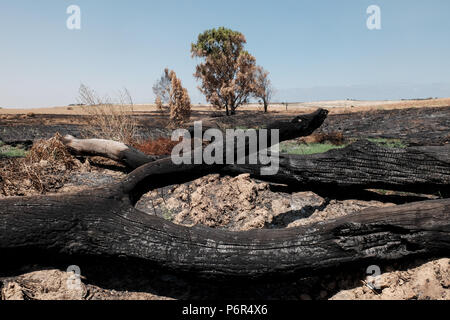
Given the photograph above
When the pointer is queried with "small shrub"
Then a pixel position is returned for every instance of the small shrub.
(158, 147)
(335, 138)
(158, 103)
(46, 167)
(51, 151)
(108, 119)
(179, 103)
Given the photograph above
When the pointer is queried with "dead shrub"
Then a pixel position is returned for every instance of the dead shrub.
(52, 151)
(158, 103)
(157, 147)
(46, 168)
(334, 138)
(179, 103)
(108, 119)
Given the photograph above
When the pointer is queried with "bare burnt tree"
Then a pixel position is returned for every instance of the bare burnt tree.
(162, 88)
(264, 88)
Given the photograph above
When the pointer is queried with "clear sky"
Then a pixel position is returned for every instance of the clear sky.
(314, 50)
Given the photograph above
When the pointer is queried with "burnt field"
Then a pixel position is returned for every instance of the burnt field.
(403, 167)
(416, 126)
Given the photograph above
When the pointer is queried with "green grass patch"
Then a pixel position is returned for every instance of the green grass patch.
(389, 143)
(167, 214)
(7, 151)
(315, 148)
(306, 149)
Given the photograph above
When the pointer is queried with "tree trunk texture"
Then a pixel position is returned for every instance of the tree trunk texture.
(363, 165)
(103, 224)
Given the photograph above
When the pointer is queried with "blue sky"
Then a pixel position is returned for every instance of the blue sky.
(313, 49)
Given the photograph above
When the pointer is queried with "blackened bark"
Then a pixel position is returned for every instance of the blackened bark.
(363, 165)
(102, 223)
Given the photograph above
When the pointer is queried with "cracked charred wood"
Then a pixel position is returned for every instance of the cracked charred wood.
(363, 165)
(103, 223)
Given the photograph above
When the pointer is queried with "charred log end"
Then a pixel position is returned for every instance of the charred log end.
(302, 125)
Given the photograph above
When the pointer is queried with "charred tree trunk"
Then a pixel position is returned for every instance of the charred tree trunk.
(300, 126)
(363, 165)
(103, 223)
(108, 149)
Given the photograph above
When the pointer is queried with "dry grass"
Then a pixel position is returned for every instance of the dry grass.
(158, 147)
(45, 169)
(333, 138)
(335, 107)
(108, 119)
(52, 151)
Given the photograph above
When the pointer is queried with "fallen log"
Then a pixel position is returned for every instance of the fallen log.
(103, 223)
(363, 165)
(116, 151)
(301, 126)
(48, 221)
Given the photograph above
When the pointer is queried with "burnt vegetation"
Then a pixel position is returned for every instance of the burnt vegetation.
(338, 156)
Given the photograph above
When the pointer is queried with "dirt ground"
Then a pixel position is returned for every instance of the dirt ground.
(422, 281)
(418, 126)
(233, 203)
(430, 281)
(241, 203)
(336, 107)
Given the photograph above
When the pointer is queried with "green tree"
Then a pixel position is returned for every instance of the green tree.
(227, 71)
